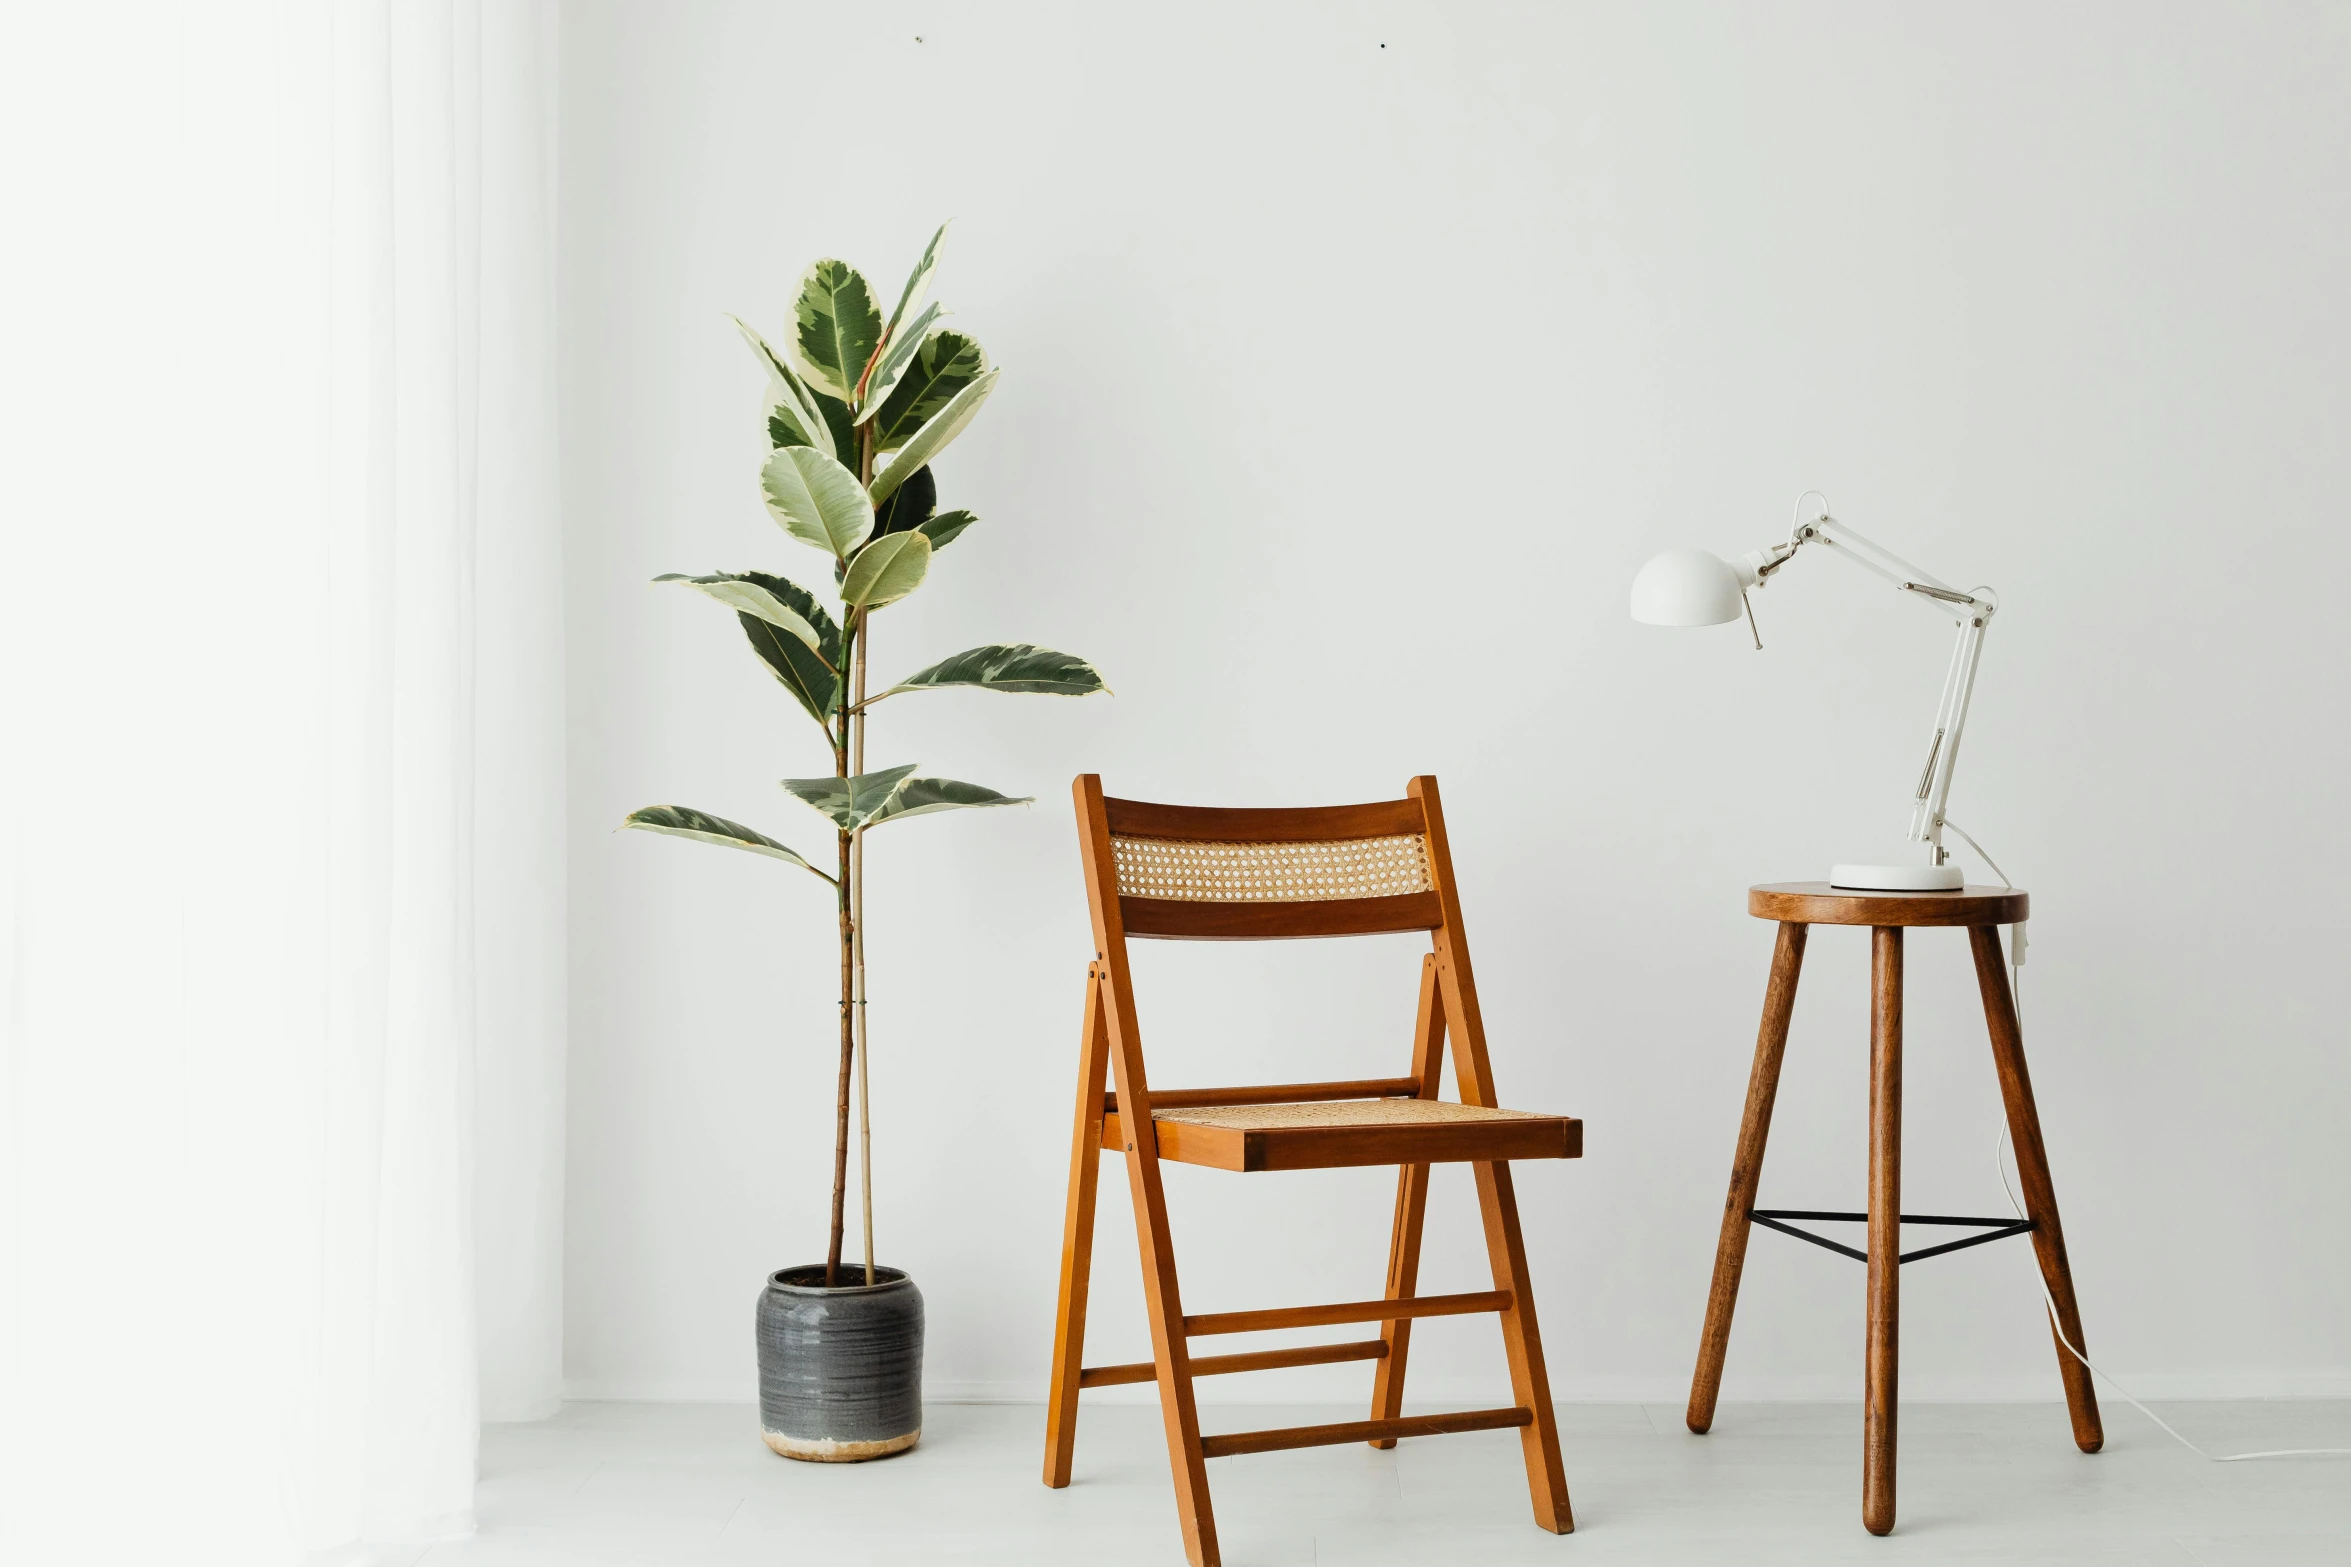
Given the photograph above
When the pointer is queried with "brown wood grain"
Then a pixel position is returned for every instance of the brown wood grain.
(1110, 1116)
(1274, 1441)
(1412, 1203)
(1522, 1344)
(1254, 1360)
(1275, 824)
(1280, 1093)
(1730, 1245)
(1162, 1298)
(1981, 910)
(1465, 1022)
(1818, 903)
(2040, 1194)
(1522, 1340)
(1077, 1239)
(1178, 919)
(1345, 1311)
(1881, 1374)
(1343, 1147)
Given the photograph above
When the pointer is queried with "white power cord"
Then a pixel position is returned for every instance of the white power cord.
(2000, 1163)
(2000, 1157)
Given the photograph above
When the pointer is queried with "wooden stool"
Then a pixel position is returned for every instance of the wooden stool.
(1798, 906)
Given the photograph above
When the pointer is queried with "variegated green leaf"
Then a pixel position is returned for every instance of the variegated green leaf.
(808, 673)
(817, 500)
(918, 288)
(792, 416)
(769, 360)
(835, 416)
(1011, 666)
(921, 796)
(895, 358)
(785, 427)
(749, 598)
(838, 327)
(944, 363)
(943, 528)
(909, 506)
(886, 570)
(683, 821)
(933, 437)
(851, 802)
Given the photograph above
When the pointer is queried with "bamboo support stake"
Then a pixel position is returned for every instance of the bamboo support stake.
(865, 455)
(857, 939)
(832, 1259)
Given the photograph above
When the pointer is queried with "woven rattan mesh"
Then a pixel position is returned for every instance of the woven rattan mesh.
(1271, 872)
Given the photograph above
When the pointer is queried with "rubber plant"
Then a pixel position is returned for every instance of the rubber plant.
(858, 408)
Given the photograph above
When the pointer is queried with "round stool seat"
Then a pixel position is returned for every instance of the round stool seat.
(1818, 903)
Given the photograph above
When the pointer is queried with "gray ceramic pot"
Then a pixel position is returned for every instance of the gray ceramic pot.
(840, 1370)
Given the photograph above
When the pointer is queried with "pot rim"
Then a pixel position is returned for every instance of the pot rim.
(884, 1279)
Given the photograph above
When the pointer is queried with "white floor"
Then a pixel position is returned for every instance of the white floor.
(603, 1485)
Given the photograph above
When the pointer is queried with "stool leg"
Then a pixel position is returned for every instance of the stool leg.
(1881, 1374)
(2032, 1164)
(1730, 1248)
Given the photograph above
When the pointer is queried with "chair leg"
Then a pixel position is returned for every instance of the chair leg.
(1882, 1375)
(1530, 1384)
(1506, 1250)
(1170, 1350)
(1077, 1239)
(1178, 1411)
(1412, 1203)
(2032, 1164)
(1730, 1247)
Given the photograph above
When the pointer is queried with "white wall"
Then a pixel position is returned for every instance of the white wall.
(1354, 358)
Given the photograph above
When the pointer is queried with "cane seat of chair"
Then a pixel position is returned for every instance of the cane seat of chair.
(1193, 873)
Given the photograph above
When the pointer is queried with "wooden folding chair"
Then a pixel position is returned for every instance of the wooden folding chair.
(1205, 874)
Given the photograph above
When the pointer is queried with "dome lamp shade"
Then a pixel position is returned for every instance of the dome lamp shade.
(1687, 587)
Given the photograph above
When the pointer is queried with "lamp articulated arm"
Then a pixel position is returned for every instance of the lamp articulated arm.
(1972, 611)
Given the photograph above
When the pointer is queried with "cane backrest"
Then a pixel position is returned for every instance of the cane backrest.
(1205, 873)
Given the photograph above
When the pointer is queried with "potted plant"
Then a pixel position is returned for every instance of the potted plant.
(857, 409)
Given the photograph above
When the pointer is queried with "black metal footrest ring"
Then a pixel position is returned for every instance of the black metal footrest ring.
(1995, 1230)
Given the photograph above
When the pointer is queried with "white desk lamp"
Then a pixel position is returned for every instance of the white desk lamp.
(1688, 587)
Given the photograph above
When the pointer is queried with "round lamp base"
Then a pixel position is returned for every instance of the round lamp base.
(1898, 878)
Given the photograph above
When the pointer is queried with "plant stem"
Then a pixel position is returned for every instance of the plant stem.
(847, 911)
(856, 722)
(832, 1256)
(857, 922)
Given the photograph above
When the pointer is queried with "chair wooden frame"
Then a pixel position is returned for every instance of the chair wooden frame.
(1114, 1098)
